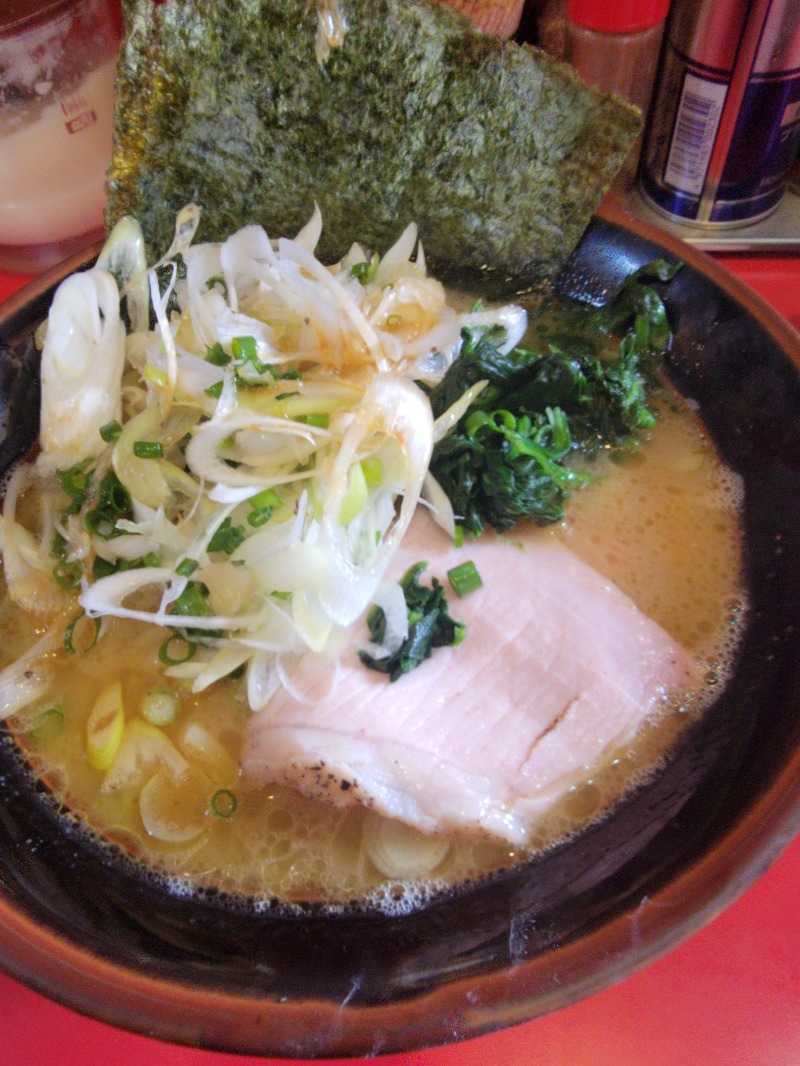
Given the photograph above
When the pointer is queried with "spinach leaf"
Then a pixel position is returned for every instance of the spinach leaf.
(429, 626)
(512, 454)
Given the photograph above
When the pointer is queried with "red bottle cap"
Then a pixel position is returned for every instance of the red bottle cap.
(617, 16)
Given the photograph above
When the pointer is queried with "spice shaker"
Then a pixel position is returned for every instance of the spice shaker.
(615, 46)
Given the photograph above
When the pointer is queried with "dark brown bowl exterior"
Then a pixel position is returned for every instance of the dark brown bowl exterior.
(88, 929)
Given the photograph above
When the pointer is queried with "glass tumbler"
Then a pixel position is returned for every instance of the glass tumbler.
(57, 67)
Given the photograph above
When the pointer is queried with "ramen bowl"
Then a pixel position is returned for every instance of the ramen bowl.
(91, 930)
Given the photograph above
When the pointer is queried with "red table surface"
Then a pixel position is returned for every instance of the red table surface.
(728, 996)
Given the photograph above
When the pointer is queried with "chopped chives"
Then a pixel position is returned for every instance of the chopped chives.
(184, 650)
(81, 634)
(186, 567)
(148, 449)
(464, 578)
(47, 724)
(262, 506)
(216, 355)
(67, 575)
(226, 538)
(223, 803)
(110, 432)
(320, 421)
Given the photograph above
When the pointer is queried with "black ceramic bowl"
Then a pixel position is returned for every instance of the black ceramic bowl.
(86, 929)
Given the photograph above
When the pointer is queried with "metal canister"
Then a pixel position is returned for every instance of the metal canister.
(724, 128)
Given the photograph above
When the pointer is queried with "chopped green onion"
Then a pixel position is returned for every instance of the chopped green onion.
(218, 279)
(464, 578)
(192, 602)
(215, 390)
(81, 634)
(364, 272)
(110, 432)
(262, 506)
(67, 575)
(75, 483)
(186, 567)
(148, 449)
(245, 350)
(47, 724)
(223, 803)
(227, 538)
(216, 355)
(355, 498)
(155, 376)
(186, 650)
(160, 708)
(113, 502)
(458, 537)
(320, 421)
(373, 471)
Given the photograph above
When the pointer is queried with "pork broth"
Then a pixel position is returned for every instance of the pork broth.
(663, 525)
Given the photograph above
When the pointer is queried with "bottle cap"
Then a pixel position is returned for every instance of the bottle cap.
(617, 16)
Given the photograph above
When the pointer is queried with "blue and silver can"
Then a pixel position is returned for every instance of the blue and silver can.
(725, 123)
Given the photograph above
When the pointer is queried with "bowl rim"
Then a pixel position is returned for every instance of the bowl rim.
(261, 1024)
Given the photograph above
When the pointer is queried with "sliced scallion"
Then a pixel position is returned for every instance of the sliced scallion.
(160, 708)
(148, 449)
(186, 567)
(223, 803)
(47, 724)
(110, 432)
(176, 650)
(81, 634)
(464, 578)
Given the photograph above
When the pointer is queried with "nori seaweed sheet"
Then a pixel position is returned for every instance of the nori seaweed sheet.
(497, 152)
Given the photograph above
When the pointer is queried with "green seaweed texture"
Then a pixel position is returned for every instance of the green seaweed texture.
(499, 154)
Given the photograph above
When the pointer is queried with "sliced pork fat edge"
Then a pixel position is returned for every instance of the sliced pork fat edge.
(558, 669)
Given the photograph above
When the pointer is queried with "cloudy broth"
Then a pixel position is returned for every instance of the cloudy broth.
(663, 524)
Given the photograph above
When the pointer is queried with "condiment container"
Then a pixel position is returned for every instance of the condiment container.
(615, 46)
(57, 66)
(500, 18)
(725, 126)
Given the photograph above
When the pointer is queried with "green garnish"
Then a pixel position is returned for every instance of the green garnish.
(47, 724)
(186, 567)
(511, 455)
(113, 503)
(110, 432)
(81, 634)
(216, 355)
(262, 506)
(464, 578)
(67, 575)
(223, 803)
(429, 626)
(148, 449)
(226, 538)
(187, 649)
(75, 482)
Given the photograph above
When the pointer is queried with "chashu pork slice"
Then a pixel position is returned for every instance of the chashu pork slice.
(558, 669)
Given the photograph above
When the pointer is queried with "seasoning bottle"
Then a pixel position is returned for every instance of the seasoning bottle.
(615, 46)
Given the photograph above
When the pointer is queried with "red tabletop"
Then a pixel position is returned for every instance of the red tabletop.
(729, 996)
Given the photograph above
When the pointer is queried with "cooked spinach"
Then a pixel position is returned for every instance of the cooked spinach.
(429, 626)
(512, 454)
